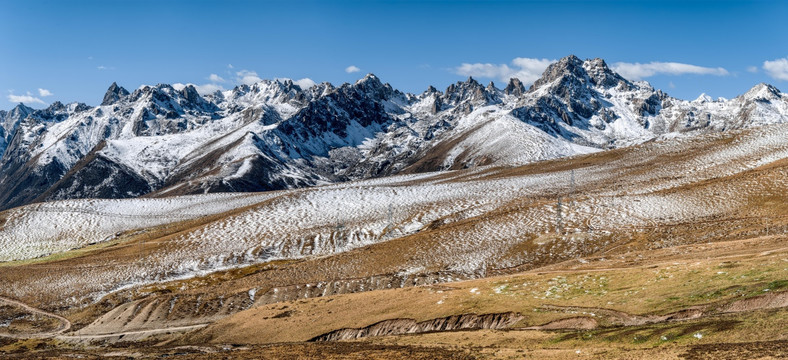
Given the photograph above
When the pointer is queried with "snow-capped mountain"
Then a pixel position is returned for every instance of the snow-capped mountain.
(9, 121)
(168, 140)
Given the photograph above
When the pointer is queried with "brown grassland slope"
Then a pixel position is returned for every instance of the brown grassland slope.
(670, 249)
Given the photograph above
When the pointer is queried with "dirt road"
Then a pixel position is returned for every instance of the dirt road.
(64, 323)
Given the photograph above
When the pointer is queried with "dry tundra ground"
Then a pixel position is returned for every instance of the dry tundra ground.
(670, 249)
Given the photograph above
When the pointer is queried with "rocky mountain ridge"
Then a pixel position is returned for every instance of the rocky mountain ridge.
(169, 140)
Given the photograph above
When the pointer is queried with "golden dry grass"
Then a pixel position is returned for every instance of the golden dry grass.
(665, 266)
(658, 282)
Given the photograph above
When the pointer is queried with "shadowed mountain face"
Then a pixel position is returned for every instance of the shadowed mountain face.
(161, 140)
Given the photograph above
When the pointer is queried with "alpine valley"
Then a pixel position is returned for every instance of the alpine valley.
(583, 215)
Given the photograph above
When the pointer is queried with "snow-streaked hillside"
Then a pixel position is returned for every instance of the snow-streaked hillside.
(170, 140)
(462, 222)
(53, 227)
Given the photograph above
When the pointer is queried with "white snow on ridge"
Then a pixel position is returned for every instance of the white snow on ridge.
(506, 140)
(47, 228)
(335, 218)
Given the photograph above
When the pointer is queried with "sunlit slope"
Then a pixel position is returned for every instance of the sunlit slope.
(451, 225)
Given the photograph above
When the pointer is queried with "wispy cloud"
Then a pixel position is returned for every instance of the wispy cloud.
(752, 69)
(44, 92)
(216, 78)
(206, 89)
(26, 99)
(102, 67)
(525, 69)
(777, 69)
(352, 69)
(305, 83)
(248, 77)
(638, 71)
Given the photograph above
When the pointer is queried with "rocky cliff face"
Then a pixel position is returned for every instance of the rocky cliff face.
(162, 140)
(410, 326)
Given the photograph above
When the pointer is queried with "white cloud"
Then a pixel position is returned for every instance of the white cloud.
(525, 69)
(248, 77)
(215, 78)
(638, 71)
(244, 76)
(230, 66)
(352, 69)
(206, 89)
(305, 83)
(777, 69)
(44, 92)
(28, 99)
(752, 69)
(672, 85)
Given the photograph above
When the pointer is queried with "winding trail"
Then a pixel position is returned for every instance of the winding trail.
(136, 332)
(65, 323)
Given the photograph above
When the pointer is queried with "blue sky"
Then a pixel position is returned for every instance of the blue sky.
(73, 50)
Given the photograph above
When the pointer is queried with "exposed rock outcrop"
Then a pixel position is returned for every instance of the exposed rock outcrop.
(410, 326)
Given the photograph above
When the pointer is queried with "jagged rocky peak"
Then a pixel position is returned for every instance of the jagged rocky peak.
(169, 99)
(433, 97)
(56, 107)
(469, 84)
(291, 89)
(601, 75)
(762, 92)
(570, 66)
(191, 99)
(319, 90)
(372, 85)
(432, 90)
(189, 92)
(55, 112)
(114, 94)
(515, 87)
(160, 92)
(217, 96)
(491, 87)
(571, 69)
(20, 111)
(267, 91)
(469, 90)
(370, 78)
(10, 119)
(703, 98)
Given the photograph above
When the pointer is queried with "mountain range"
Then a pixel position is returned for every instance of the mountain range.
(170, 140)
